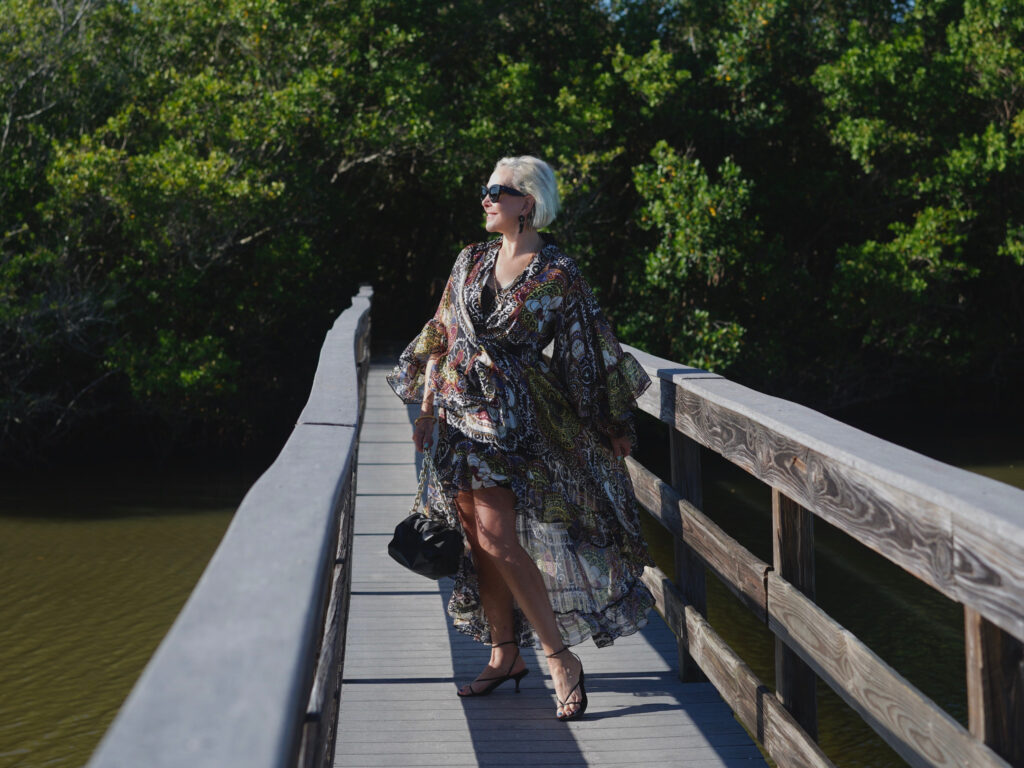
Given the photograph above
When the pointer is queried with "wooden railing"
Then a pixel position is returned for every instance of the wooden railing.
(958, 532)
(250, 673)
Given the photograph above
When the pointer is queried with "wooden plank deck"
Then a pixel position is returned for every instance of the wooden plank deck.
(402, 660)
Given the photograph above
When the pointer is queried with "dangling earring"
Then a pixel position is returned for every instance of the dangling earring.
(522, 219)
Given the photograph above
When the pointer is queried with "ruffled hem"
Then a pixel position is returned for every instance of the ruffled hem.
(591, 568)
(627, 380)
(452, 387)
(483, 466)
(408, 375)
(622, 618)
(409, 387)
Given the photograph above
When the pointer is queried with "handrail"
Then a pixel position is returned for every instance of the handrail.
(961, 533)
(249, 673)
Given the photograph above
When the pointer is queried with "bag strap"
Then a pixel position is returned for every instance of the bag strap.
(429, 469)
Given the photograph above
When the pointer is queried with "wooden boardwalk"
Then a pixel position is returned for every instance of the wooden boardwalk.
(402, 659)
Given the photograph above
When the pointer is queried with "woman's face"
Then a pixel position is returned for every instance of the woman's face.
(503, 216)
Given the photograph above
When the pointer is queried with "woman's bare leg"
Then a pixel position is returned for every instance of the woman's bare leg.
(497, 547)
(496, 600)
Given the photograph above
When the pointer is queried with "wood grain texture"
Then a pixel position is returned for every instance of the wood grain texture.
(921, 732)
(960, 533)
(793, 560)
(740, 571)
(995, 687)
(753, 702)
(684, 463)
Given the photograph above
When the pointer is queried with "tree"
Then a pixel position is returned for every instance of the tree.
(818, 197)
(933, 116)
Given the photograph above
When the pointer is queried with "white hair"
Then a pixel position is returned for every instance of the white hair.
(535, 177)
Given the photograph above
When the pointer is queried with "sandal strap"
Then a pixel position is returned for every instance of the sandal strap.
(508, 674)
(488, 679)
(567, 703)
(563, 704)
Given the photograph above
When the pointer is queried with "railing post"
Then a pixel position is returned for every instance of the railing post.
(995, 687)
(689, 576)
(793, 559)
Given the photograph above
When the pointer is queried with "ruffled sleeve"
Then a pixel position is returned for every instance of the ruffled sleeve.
(603, 382)
(409, 374)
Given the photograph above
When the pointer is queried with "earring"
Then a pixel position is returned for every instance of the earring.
(522, 219)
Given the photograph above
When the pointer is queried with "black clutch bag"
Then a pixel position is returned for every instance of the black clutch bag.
(423, 544)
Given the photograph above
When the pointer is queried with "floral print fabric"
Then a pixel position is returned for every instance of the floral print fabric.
(510, 418)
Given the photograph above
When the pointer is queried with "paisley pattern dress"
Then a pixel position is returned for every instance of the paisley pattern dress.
(509, 417)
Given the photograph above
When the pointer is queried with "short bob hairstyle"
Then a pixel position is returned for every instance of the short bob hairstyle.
(535, 177)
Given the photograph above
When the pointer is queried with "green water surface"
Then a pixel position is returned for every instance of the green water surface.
(94, 567)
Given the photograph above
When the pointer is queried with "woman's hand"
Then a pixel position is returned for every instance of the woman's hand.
(423, 432)
(423, 427)
(621, 446)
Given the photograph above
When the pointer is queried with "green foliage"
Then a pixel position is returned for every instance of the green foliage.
(819, 198)
(929, 115)
(173, 368)
(699, 262)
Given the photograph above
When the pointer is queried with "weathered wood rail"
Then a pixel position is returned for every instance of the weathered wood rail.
(960, 533)
(250, 672)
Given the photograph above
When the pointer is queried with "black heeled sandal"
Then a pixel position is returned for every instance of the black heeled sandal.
(494, 682)
(581, 705)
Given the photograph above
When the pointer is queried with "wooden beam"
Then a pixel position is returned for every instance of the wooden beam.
(995, 687)
(911, 723)
(961, 533)
(755, 706)
(740, 571)
(689, 569)
(793, 557)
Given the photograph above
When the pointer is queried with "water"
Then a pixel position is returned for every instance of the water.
(94, 569)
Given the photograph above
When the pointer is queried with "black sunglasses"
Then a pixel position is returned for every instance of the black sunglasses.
(495, 191)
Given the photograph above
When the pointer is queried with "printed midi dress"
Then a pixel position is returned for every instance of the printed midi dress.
(510, 418)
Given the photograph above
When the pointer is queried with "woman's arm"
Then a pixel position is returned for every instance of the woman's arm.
(423, 427)
(601, 380)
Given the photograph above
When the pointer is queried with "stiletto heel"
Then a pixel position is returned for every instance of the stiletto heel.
(518, 677)
(581, 705)
(494, 682)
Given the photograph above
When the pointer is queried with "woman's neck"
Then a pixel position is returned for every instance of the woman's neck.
(521, 244)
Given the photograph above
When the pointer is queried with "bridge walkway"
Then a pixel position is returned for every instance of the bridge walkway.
(398, 702)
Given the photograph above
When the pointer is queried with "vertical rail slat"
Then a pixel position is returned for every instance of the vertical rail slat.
(995, 687)
(689, 570)
(793, 559)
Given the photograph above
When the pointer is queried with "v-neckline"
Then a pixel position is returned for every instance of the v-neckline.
(498, 289)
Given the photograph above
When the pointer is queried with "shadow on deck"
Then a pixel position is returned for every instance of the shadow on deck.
(403, 659)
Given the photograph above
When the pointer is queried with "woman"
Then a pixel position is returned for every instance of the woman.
(531, 451)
